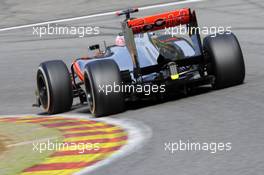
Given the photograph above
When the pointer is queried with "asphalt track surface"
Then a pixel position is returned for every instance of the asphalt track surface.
(230, 115)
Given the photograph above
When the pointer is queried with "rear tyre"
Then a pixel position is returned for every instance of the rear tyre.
(54, 87)
(99, 75)
(226, 60)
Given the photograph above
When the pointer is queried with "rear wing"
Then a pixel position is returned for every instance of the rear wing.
(158, 22)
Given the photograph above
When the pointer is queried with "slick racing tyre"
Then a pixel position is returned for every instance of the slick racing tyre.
(99, 76)
(225, 58)
(54, 87)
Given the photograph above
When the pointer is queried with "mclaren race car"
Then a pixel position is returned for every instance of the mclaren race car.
(143, 63)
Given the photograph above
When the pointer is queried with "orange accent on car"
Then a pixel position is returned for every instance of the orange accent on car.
(160, 21)
(78, 70)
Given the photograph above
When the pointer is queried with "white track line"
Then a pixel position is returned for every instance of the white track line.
(168, 4)
(95, 15)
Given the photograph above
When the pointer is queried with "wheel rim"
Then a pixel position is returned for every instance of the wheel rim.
(89, 93)
(43, 90)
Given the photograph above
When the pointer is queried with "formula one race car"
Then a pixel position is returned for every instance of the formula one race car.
(142, 64)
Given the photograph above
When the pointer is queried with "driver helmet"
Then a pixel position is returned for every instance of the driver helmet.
(120, 41)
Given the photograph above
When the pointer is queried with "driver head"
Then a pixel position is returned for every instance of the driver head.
(120, 41)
